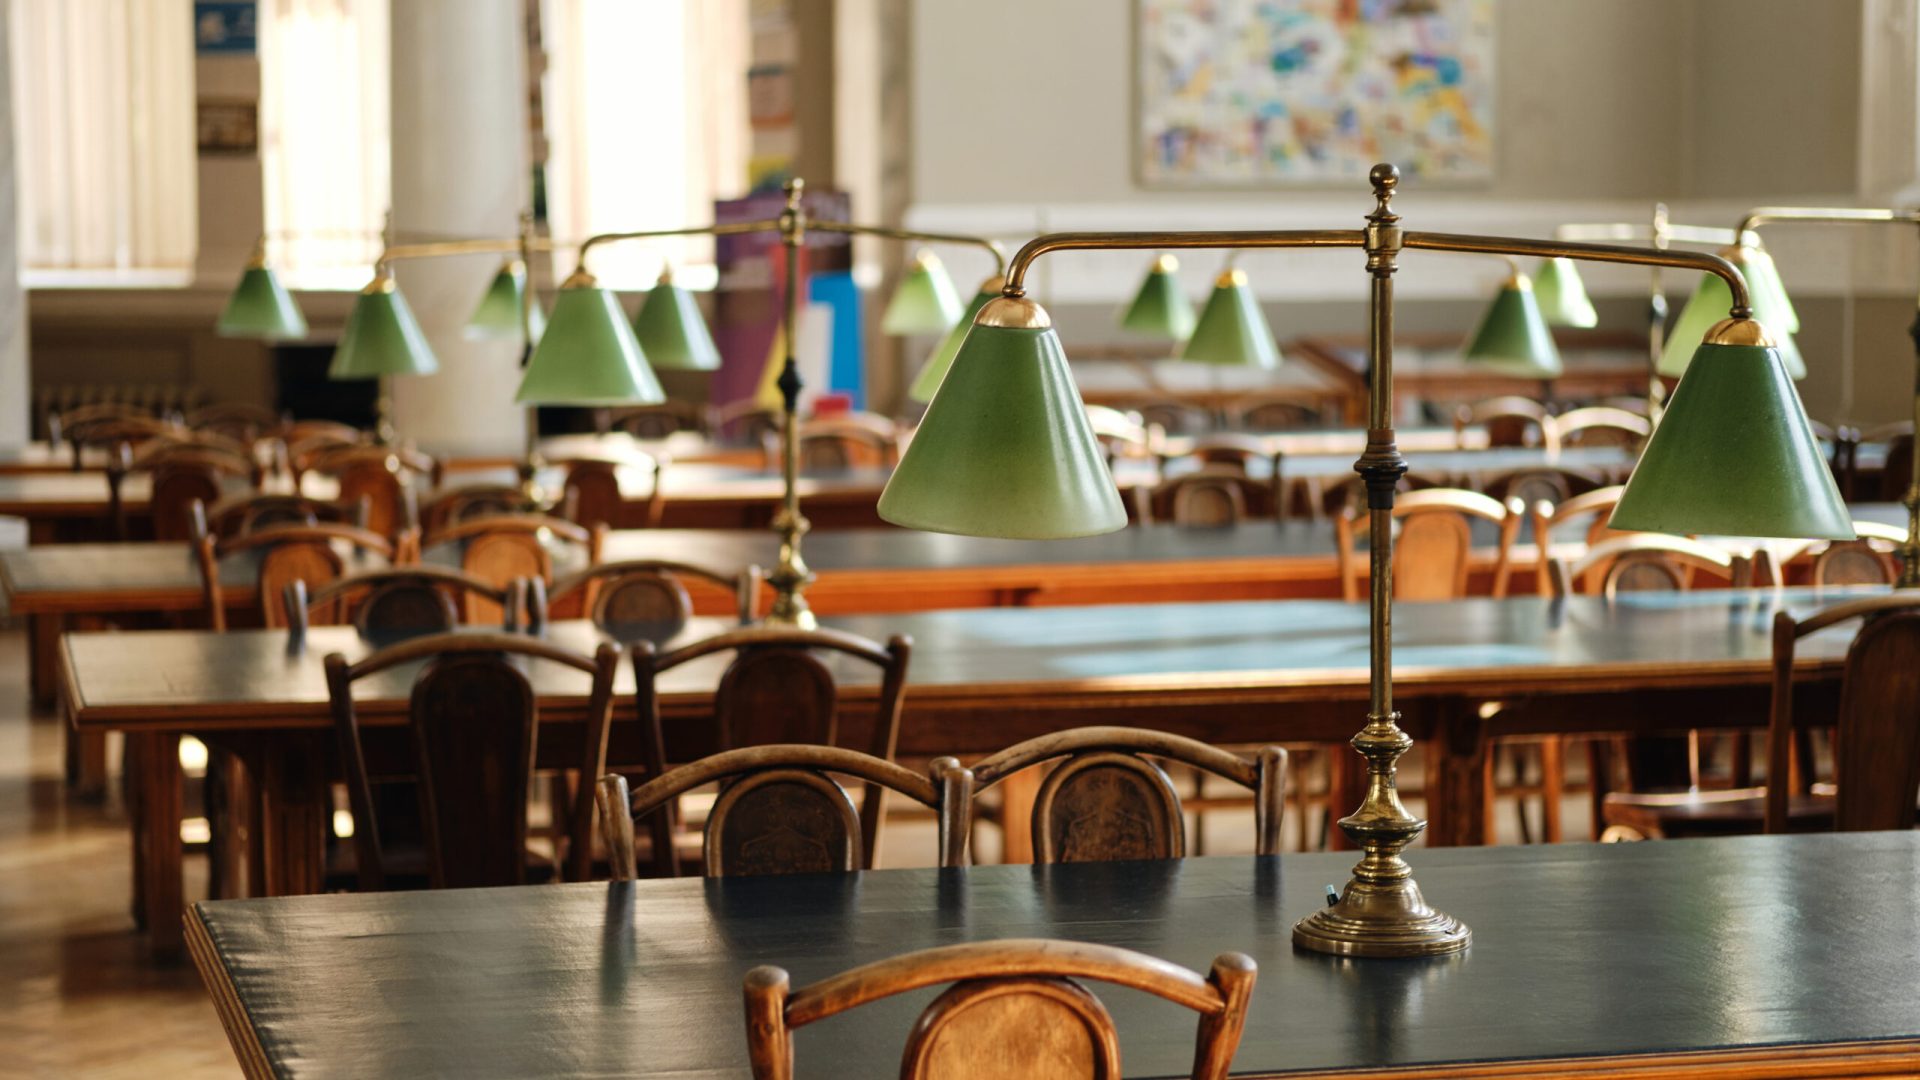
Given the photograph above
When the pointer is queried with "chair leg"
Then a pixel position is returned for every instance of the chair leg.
(1553, 782)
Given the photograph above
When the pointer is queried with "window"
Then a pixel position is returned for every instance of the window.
(646, 117)
(324, 123)
(103, 123)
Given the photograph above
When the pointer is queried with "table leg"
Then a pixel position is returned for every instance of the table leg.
(295, 807)
(1016, 815)
(1460, 778)
(1553, 775)
(157, 855)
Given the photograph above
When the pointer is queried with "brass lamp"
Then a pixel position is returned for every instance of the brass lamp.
(1849, 216)
(1005, 375)
(1160, 309)
(261, 307)
(589, 324)
(1513, 337)
(1232, 330)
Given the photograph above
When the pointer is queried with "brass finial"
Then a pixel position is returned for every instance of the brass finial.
(1385, 178)
(1013, 314)
(794, 187)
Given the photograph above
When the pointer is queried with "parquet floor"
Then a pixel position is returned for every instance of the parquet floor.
(77, 996)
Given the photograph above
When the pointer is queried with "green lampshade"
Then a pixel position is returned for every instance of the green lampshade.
(935, 369)
(1161, 308)
(1513, 338)
(1734, 454)
(1562, 296)
(1005, 449)
(672, 333)
(382, 337)
(1231, 329)
(925, 301)
(498, 315)
(1706, 307)
(589, 355)
(261, 307)
(1763, 277)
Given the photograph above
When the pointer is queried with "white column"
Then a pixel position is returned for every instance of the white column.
(15, 417)
(459, 169)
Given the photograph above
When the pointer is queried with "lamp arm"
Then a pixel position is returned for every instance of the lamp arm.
(1016, 286)
(993, 247)
(740, 228)
(1767, 215)
(1548, 249)
(1685, 234)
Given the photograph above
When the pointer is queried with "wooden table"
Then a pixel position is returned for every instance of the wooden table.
(41, 456)
(1754, 956)
(1232, 673)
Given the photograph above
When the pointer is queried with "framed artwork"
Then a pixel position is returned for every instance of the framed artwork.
(227, 127)
(1252, 93)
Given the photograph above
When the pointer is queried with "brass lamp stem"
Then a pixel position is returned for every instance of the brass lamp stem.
(1657, 321)
(531, 463)
(1850, 215)
(791, 576)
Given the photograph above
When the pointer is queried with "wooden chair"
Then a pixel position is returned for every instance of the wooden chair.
(646, 599)
(181, 477)
(593, 495)
(1647, 562)
(777, 690)
(1177, 417)
(241, 421)
(301, 430)
(1109, 800)
(837, 444)
(119, 435)
(657, 421)
(386, 476)
(396, 604)
(1434, 550)
(747, 421)
(1601, 425)
(1547, 483)
(1870, 560)
(474, 501)
(288, 553)
(1016, 1008)
(1510, 421)
(1595, 507)
(251, 513)
(473, 724)
(1876, 743)
(1277, 416)
(63, 425)
(499, 550)
(779, 810)
(1214, 496)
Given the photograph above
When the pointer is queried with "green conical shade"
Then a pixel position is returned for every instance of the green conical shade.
(1562, 296)
(672, 333)
(1161, 308)
(925, 302)
(382, 338)
(261, 307)
(588, 356)
(1707, 306)
(1763, 277)
(1513, 337)
(1734, 456)
(1231, 329)
(498, 315)
(1005, 449)
(935, 369)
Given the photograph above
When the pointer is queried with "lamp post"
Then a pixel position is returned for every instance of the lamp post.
(978, 467)
(1769, 215)
(595, 328)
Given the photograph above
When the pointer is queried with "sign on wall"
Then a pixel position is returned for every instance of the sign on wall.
(1252, 92)
(224, 26)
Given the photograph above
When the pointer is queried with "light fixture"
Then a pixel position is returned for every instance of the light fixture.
(927, 382)
(672, 333)
(1562, 295)
(925, 301)
(1232, 331)
(1381, 912)
(1513, 337)
(382, 339)
(1160, 309)
(504, 312)
(1706, 307)
(1005, 448)
(589, 356)
(260, 306)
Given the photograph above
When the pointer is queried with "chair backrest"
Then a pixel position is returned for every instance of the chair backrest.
(1545, 483)
(1647, 562)
(1215, 496)
(237, 420)
(747, 421)
(1601, 425)
(286, 554)
(1277, 416)
(396, 604)
(1510, 421)
(779, 810)
(1595, 506)
(503, 548)
(473, 723)
(1434, 550)
(1016, 1008)
(1868, 560)
(251, 513)
(1876, 741)
(647, 599)
(826, 445)
(594, 495)
(386, 476)
(660, 421)
(182, 476)
(777, 689)
(472, 502)
(1109, 799)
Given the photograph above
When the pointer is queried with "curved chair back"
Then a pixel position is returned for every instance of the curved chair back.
(1648, 562)
(397, 604)
(1214, 496)
(182, 476)
(251, 513)
(1869, 560)
(779, 811)
(747, 421)
(594, 497)
(1510, 421)
(1434, 550)
(1876, 740)
(501, 549)
(1109, 799)
(308, 553)
(646, 599)
(387, 477)
(1277, 416)
(1547, 483)
(828, 445)
(1601, 425)
(1595, 506)
(660, 421)
(471, 503)
(1016, 1008)
(241, 421)
(473, 725)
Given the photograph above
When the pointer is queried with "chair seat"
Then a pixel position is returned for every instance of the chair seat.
(1679, 814)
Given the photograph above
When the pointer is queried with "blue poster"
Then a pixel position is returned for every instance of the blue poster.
(225, 27)
(836, 289)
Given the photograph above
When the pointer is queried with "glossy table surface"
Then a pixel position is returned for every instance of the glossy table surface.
(1724, 951)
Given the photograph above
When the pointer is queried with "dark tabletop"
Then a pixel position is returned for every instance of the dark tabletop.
(1579, 950)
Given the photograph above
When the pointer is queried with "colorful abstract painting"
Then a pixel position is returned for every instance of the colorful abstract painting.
(1251, 92)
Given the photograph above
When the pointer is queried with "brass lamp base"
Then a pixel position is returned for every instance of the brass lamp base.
(1381, 919)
